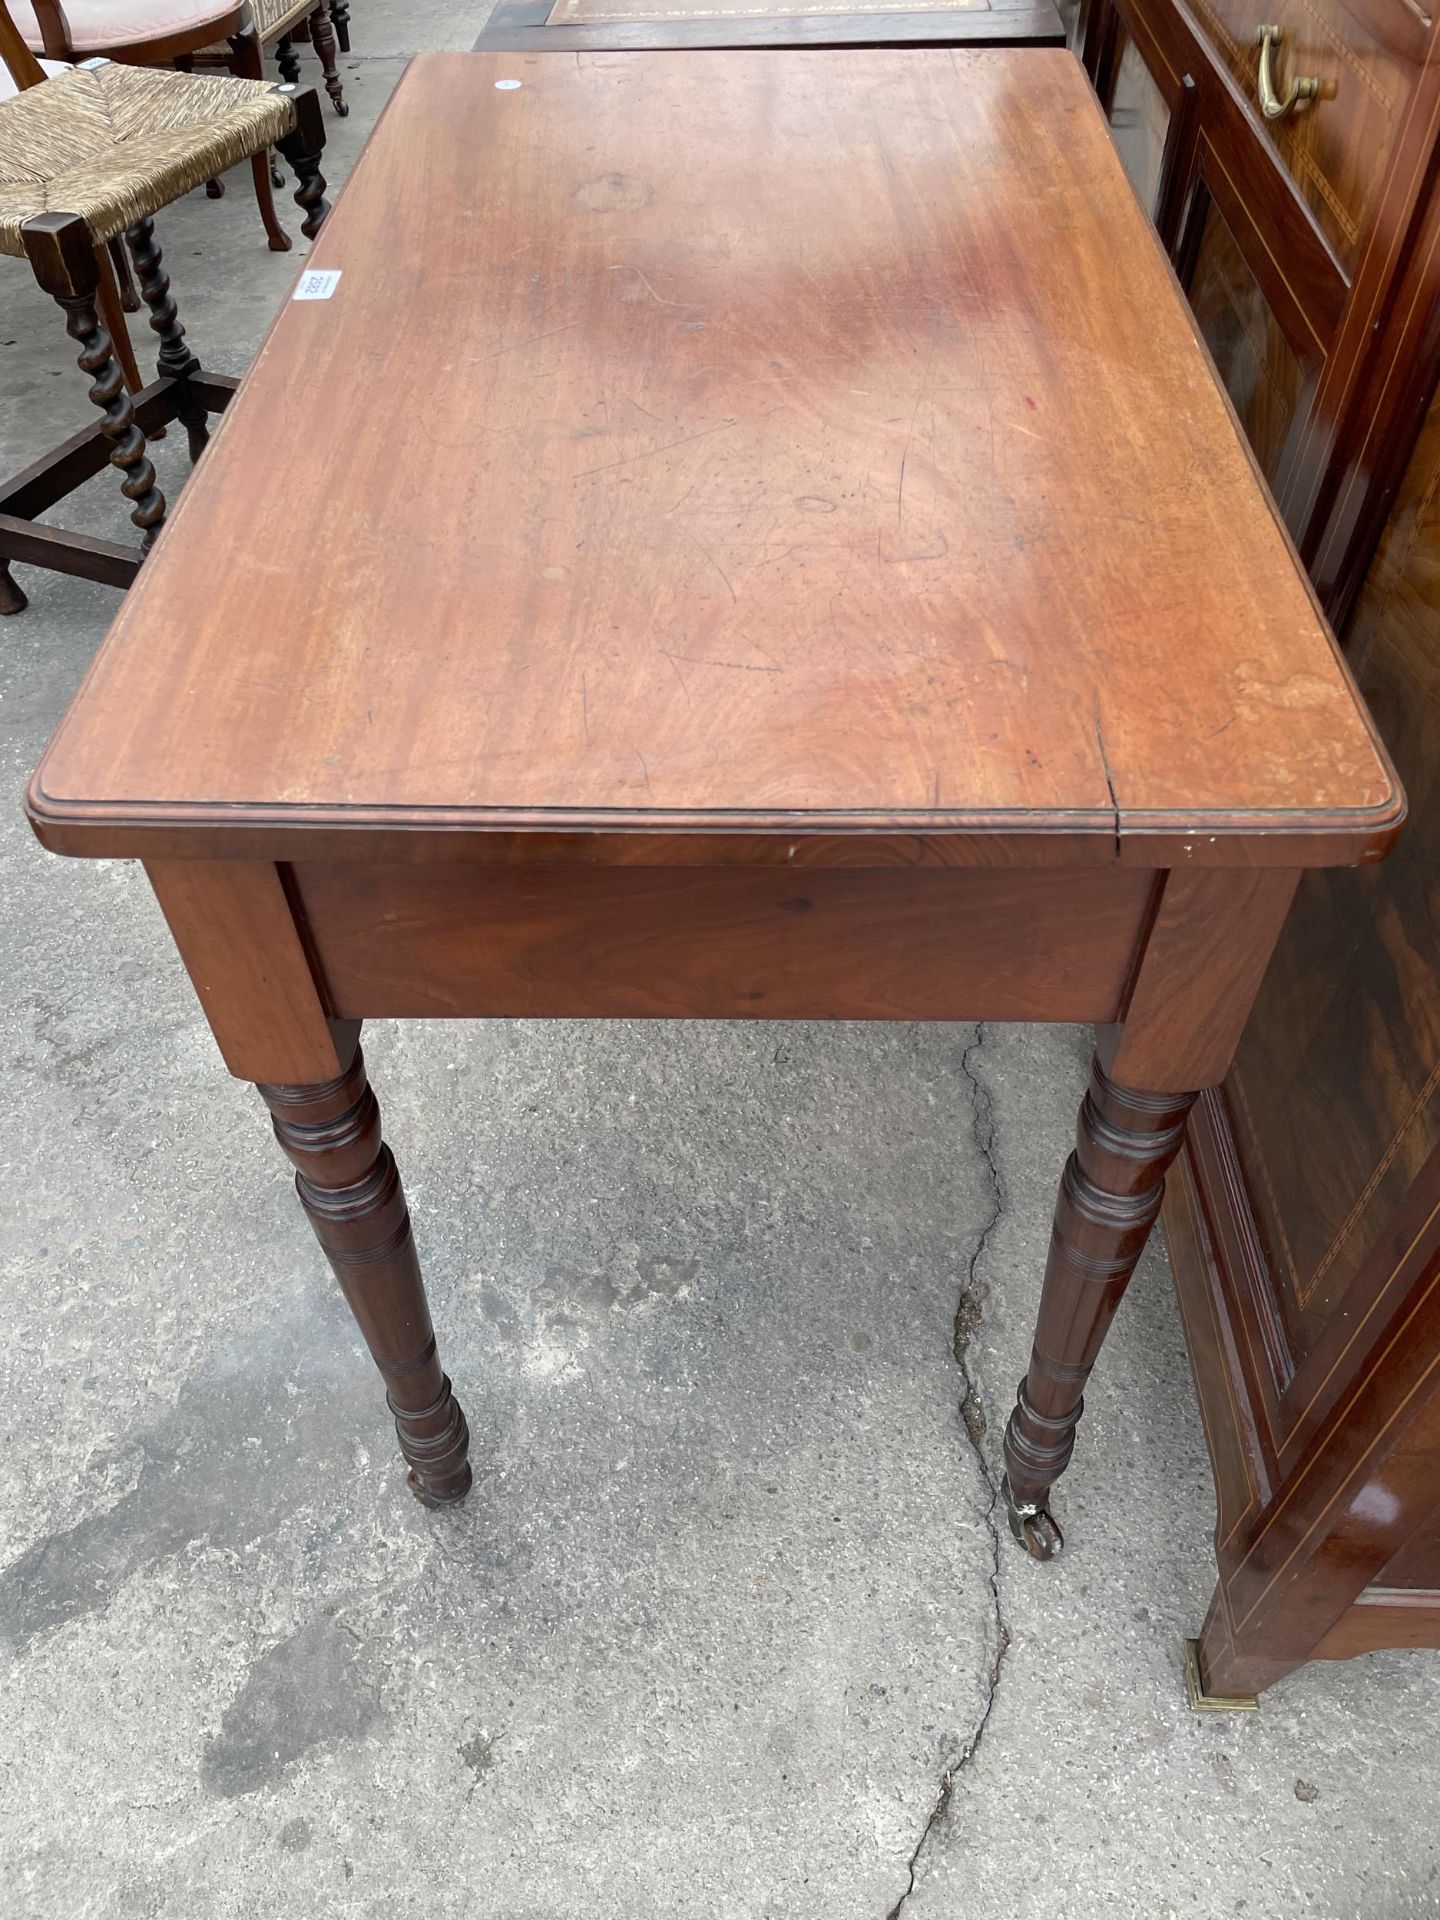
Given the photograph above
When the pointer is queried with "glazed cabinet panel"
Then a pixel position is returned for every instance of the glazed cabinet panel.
(1290, 239)
(1267, 289)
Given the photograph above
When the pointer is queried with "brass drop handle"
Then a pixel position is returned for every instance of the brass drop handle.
(1273, 105)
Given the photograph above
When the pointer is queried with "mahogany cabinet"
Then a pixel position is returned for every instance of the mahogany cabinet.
(1303, 1218)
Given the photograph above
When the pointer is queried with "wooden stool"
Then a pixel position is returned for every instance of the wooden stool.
(93, 153)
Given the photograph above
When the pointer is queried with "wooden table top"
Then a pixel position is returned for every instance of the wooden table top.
(785, 442)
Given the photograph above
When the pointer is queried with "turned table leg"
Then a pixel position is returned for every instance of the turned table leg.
(349, 1187)
(1110, 1196)
(1200, 963)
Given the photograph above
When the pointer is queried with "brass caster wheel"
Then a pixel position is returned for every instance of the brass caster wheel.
(1033, 1526)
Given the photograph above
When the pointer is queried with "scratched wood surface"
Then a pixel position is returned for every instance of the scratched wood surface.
(711, 439)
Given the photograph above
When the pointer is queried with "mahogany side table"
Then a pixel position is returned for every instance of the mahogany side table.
(600, 26)
(821, 579)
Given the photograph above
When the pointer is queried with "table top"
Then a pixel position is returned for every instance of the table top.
(605, 25)
(697, 441)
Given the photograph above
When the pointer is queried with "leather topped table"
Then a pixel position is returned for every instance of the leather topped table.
(600, 26)
(821, 579)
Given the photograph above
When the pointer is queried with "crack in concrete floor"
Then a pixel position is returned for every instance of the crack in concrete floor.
(969, 1312)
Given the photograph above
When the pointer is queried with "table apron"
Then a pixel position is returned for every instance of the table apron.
(471, 941)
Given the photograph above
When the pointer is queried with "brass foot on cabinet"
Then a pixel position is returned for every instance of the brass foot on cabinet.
(1201, 1702)
(1032, 1524)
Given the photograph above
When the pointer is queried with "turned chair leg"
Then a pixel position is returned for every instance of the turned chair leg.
(349, 1187)
(62, 255)
(1110, 1196)
(176, 361)
(303, 148)
(287, 60)
(340, 20)
(248, 62)
(322, 38)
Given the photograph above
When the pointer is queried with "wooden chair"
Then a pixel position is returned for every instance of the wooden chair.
(92, 154)
(20, 69)
(325, 23)
(166, 33)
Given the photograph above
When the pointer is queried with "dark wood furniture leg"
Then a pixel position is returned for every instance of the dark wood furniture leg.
(322, 38)
(287, 59)
(303, 149)
(1110, 1194)
(340, 20)
(249, 64)
(176, 361)
(61, 252)
(1223, 1677)
(1201, 965)
(350, 1189)
(233, 924)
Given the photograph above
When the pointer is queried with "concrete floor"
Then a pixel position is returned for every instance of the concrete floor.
(726, 1628)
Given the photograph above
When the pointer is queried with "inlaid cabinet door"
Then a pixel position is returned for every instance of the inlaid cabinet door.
(1334, 1097)
(1363, 59)
(1290, 234)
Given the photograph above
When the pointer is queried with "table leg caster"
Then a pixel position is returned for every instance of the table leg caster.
(437, 1502)
(1032, 1525)
(435, 1442)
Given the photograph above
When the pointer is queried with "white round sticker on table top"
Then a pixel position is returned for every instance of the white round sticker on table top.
(506, 86)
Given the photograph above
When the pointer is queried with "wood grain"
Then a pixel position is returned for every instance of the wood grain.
(723, 943)
(237, 937)
(1205, 955)
(833, 476)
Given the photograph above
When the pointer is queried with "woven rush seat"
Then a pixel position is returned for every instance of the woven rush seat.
(114, 144)
(89, 154)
